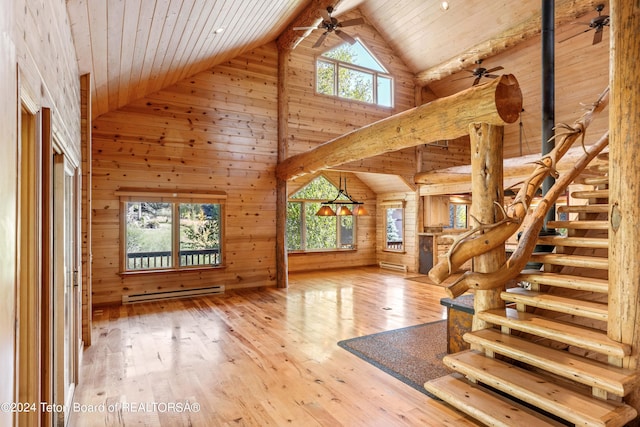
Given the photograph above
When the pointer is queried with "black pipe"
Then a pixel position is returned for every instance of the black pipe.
(548, 94)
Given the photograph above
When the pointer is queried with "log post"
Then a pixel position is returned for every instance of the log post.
(282, 279)
(624, 188)
(487, 196)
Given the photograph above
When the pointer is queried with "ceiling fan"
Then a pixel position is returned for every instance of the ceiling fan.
(331, 25)
(598, 23)
(480, 72)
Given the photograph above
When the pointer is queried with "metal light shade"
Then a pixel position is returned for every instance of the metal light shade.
(325, 211)
(343, 211)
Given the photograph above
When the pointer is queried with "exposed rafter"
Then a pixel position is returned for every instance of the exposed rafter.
(565, 10)
(309, 17)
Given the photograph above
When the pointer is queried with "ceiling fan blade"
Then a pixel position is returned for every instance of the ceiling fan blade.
(305, 28)
(575, 35)
(320, 40)
(494, 69)
(325, 15)
(346, 37)
(476, 81)
(491, 76)
(597, 36)
(351, 22)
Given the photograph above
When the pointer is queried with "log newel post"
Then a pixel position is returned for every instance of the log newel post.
(624, 188)
(282, 279)
(487, 196)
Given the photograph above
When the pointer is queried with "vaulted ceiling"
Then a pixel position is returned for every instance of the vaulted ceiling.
(136, 47)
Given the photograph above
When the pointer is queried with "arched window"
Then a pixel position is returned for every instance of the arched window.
(352, 72)
(308, 232)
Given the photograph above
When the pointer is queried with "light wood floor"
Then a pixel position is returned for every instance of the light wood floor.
(259, 357)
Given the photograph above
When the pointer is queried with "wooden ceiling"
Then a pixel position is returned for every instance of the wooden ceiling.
(136, 47)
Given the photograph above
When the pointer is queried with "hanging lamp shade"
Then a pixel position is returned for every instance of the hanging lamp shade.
(359, 210)
(325, 210)
(343, 211)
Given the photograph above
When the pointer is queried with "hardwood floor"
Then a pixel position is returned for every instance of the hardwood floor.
(259, 357)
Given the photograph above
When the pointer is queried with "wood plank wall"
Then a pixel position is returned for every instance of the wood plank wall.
(48, 66)
(315, 119)
(582, 73)
(214, 131)
(218, 129)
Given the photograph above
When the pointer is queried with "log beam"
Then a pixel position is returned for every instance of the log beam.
(497, 103)
(309, 17)
(565, 11)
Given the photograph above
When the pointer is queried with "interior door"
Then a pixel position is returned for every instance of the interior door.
(66, 295)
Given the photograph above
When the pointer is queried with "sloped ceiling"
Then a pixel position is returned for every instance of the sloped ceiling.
(136, 47)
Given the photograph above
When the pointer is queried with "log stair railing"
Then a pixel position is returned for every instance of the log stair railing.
(546, 358)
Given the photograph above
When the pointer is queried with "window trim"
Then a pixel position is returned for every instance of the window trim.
(303, 231)
(393, 204)
(175, 198)
(336, 72)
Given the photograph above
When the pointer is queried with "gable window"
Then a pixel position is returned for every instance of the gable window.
(352, 72)
(394, 226)
(308, 232)
(170, 231)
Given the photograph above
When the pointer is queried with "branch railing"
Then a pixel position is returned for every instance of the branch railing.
(485, 237)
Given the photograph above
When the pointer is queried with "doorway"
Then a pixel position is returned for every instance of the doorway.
(66, 287)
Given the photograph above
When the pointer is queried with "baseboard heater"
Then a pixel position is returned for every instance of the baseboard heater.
(393, 266)
(179, 293)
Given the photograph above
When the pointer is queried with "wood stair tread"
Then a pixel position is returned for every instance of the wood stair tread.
(536, 390)
(595, 180)
(591, 208)
(546, 301)
(592, 373)
(577, 242)
(568, 333)
(580, 225)
(568, 260)
(568, 281)
(591, 194)
(484, 405)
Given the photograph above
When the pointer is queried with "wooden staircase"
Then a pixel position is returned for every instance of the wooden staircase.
(547, 360)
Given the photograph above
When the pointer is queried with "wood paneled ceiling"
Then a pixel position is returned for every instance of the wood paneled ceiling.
(136, 47)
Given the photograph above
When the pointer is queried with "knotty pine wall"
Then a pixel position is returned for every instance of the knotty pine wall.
(582, 73)
(214, 131)
(315, 119)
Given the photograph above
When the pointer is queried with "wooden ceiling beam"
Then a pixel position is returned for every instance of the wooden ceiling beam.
(498, 102)
(565, 11)
(309, 17)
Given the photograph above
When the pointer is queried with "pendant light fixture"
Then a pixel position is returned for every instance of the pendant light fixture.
(342, 202)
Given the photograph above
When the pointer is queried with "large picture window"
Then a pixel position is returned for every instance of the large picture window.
(308, 232)
(352, 72)
(171, 232)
